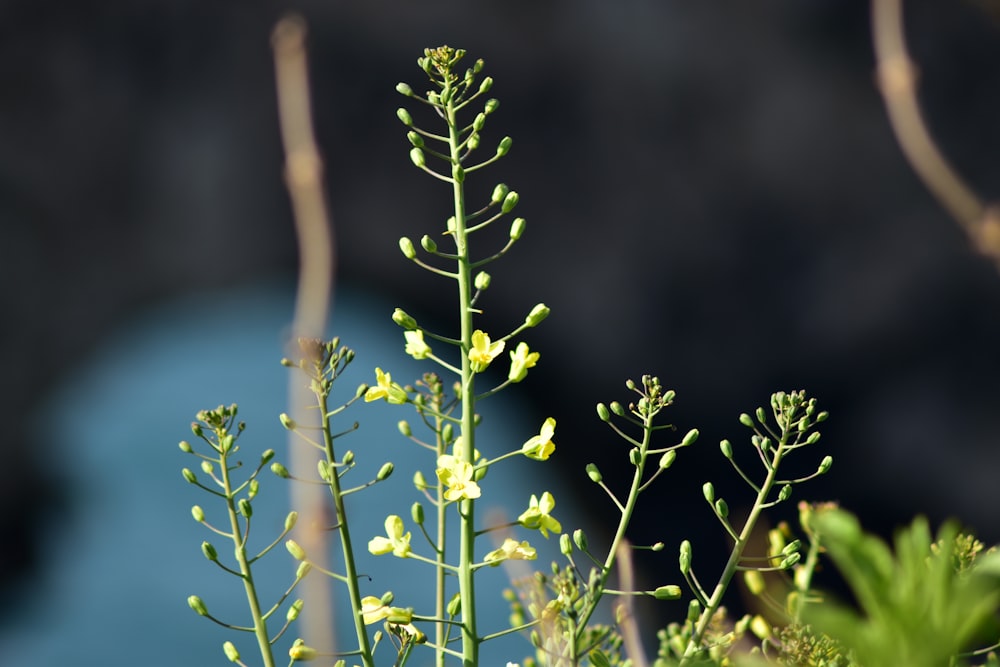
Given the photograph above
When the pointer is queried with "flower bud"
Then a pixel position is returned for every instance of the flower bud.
(721, 508)
(458, 173)
(206, 467)
(403, 319)
(746, 420)
(517, 228)
(417, 157)
(196, 429)
(617, 408)
(537, 314)
(473, 141)
(491, 105)
(230, 650)
(404, 116)
(198, 513)
(659, 546)
(685, 557)
(454, 605)
(580, 539)
(499, 192)
(565, 545)
(209, 551)
(417, 512)
(415, 139)
(279, 470)
(602, 412)
(294, 610)
(709, 492)
(667, 459)
(761, 415)
(509, 202)
(754, 581)
(286, 421)
(635, 456)
(303, 569)
(406, 246)
(785, 493)
(690, 438)
(482, 280)
(189, 476)
(727, 449)
(301, 652)
(504, 147)
(419, 481)
(290, 520)
(694, 611)
(671, 592)
(404, 89)
(185, 446)
(297, 552)
(323, 469)
(360, 391)
(266, 456)
(384, 471)
(479, 122)
(790, 560)
(813, 438)
(246, 509)
(486, 84)
(404, 428)
(199, 607)
(252, 489)
(594, 473)
(825, 464)
(428, 244)
(447, 431)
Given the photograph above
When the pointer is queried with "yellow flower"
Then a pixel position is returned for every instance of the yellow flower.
(385, 388)
(483, 351)
(372, 609)
(539, 515)
(540, 447)
(396, 542)
(521, 359)
(415, 345)
(457, 476)
(511, 550)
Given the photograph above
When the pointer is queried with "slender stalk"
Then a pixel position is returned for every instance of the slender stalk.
(259, 623)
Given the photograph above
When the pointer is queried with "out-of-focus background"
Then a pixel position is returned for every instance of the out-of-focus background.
(712, 192)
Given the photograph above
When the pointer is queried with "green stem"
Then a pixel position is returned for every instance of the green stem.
(350, 569)
(259, 623)
(467, 536)
(440, 606)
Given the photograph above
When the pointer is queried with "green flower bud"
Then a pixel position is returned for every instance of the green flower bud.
(404, 428)
(279, 470)
(685, 557)
(290, 520)
(721, 508)
(253, 488)
(482, 280)
(727, 449)
(302, 653)
(509, 202)
(602, 412)
(417, 512)
(746, 420)
(454, 606)
(594, 473)
(537, 314)
(517, 228)
(635, 456)
(428, 244)
(754, 581)
(580, 539)
(617, 408)
(785, 493)
(479, 473)
(417, 157)
(690, 438)
(694, 611)
(404, 89)
(790, 560)
(709, 492)
(419, 481)
(761, 415)
(199, 607)
(266, 456)
(447, 431)
(825, 464)
(209, 551)
(185, 446)
(297, 552)
(403, 319)
(206, 467)
(486, 85)
(504, 146)
(458, 173)
(406, 246)
(415, 139)
(821, 417)
(360, 391)
(384, 471)
(813, 438)
(226, 443)
(189, 476)
(230, 650)
(565, 545)
(667, 459)
(198, 513)
(671, 592)
(196, 429)
(294, 610)
(792, 546)
(499, 192)
(491, 105)
(479, 122)
(323, 468)
(404, 116)
(287, 421)
(659, 546)
(246, 509)
(303, 569)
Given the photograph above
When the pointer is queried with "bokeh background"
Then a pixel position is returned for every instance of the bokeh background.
(712, 192)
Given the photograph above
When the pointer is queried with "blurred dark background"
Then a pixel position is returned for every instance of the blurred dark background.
(712, 192)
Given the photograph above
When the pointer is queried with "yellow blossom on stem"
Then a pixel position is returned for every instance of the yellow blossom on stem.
(372, 609)
(511, 549)
(483, 351)
(396, 542)
(457, 475)
(539, 515)
(415, 345)
(540, 447)
(385, 388)
(521, 359)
